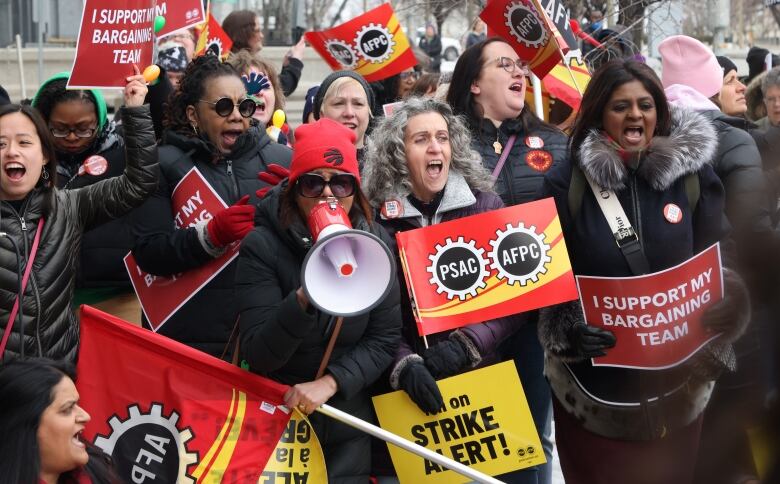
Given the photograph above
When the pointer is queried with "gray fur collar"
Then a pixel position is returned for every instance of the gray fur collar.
(692, 143)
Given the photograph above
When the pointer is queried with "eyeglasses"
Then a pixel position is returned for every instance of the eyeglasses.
(770, 101)
(224, 107)
(509, 65)
(311, 185)
(65, 132)
(406, 75)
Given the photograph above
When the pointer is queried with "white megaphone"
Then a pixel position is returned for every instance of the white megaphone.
(347, 272)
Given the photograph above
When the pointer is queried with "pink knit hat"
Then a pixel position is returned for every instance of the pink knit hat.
(687, 61)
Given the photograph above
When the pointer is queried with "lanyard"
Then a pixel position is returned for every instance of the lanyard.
(502, 159)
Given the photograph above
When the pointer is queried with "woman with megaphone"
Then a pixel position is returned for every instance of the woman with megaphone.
(283, 330)
(421, 157)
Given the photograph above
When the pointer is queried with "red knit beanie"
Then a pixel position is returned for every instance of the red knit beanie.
(324, 144)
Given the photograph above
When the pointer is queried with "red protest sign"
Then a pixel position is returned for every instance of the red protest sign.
(112, 39)
(656, 318)
(485, 266)
(525, 26)
(179, 15)
(373, 45)
(193, 201)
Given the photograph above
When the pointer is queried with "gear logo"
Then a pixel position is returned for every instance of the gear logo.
(214, 47)
(525, 25)
(342, 52)
(519, 254)
(458, 268)
(374, 43)
(149, 446)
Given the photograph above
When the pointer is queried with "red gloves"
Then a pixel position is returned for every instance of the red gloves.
(232, 223)
(273, 176)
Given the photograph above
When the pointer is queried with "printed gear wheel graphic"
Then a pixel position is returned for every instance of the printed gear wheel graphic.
(215, 41)
(346, 46)
(155, 416)
(541, 267)
(390, 43)
(508, 22)
(480, 283)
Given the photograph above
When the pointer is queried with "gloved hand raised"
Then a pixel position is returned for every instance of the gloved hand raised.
(446, 358)
(231, 223)
(418, 383)
(589, 341)
(273, 176)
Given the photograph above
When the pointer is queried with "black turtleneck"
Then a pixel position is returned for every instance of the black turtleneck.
(427, 209)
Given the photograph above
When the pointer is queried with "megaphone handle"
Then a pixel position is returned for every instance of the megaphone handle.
(329, 349)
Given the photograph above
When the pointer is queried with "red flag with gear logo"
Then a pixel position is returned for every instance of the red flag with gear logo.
(166, 412)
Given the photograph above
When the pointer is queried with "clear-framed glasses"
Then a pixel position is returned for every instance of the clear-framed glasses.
(509, 65)
(65, 132)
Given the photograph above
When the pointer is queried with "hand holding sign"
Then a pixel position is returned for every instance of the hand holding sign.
(135, 90)
(307, 397)
(232, 223)
(273, 176)
(446, 358)
(589, 341)
(418, 383)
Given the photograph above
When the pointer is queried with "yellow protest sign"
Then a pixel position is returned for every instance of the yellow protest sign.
(486, 425)
(297, 457)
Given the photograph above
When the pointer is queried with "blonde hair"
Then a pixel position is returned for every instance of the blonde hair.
(335, 88)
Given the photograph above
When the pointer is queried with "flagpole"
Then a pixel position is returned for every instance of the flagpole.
(538, 102)
(543, 12)
(394, 439)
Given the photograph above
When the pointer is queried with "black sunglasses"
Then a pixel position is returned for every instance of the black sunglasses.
(224, 106)
(311, 185)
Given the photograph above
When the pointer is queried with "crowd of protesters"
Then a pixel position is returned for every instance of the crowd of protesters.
(79, 190)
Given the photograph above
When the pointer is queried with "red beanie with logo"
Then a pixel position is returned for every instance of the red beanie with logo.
(324, 144)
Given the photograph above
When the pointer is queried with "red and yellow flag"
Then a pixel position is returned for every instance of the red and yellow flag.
(527, 28)
(166, 412)
(565, 86)
(213, 39)
(374, 45)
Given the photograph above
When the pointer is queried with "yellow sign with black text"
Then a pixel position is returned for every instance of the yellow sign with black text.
(297, 457)
(486, 424)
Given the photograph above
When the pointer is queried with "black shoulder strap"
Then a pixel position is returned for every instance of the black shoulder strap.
(692, 190)
(576, 190)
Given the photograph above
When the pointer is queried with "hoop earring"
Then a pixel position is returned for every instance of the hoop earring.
(44, 173)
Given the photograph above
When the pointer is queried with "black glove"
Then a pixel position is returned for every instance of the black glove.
(446, 358)
(589, 341)
(732, 313)
(418, 383)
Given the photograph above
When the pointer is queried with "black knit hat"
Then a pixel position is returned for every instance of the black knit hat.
(726, 64)
(329, 80)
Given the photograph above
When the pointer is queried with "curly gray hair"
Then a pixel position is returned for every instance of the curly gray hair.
(772, 78)
(385, 174)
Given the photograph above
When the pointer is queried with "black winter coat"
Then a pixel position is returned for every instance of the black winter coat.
(206, 320)
(104, 247)
(643, 191)
(51, 328)
(524, 169)
(283, 342)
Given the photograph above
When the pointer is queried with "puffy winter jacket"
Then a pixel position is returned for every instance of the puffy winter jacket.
(458, 201)
(613, 402)
(524, 169)
(283, 342)
(51, 328)
(206, 320)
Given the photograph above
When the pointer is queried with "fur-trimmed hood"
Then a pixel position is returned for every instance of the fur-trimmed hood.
(691, 144)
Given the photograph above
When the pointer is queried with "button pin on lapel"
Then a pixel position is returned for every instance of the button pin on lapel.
(672, 213)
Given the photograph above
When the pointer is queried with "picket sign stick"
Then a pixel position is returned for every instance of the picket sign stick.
(538, 101)
(394, 439)
(543, 12)
(329, 349)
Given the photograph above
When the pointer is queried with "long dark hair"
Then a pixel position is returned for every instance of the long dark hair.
(609, 77)
(459, 96)
(47, 148)
(26, 390)
(239, 25)
(192, 88)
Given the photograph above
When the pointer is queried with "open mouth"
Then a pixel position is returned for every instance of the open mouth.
(634, 134)
(434, 168)
(516, 87)
(77, 440)
(230, 136)
(14, 171)
(350, 125)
